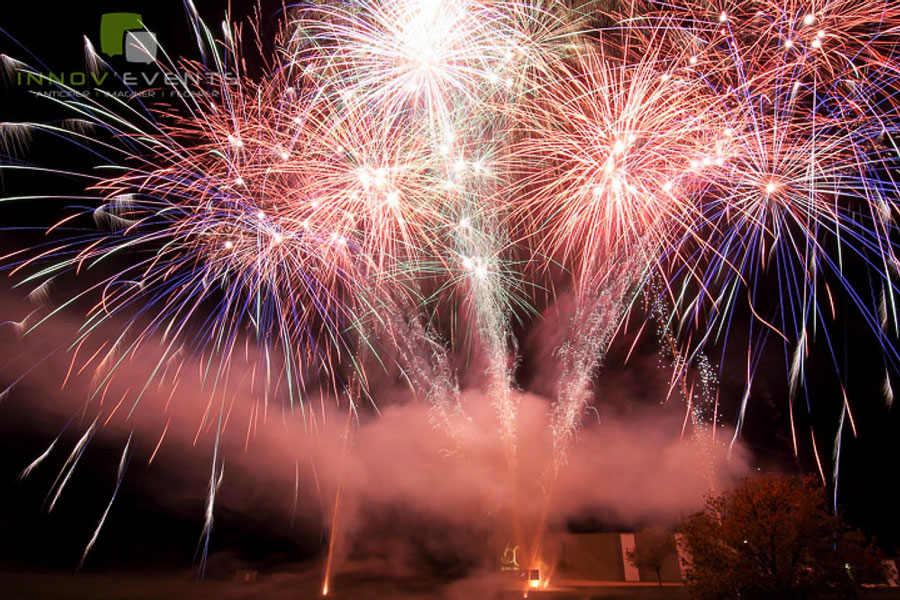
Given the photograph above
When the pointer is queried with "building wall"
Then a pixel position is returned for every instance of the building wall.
(600, 557)
(593, 556)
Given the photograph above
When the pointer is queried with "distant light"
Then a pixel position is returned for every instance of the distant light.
(771, 188)
(229, 245)
(809, 19)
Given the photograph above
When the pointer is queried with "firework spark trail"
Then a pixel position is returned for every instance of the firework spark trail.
(423, 65)
(69, 466)
(429, 67)
(336, 507)
(193, 215)
(216, 474)
(40, 459)
(805, 183)
(438, 66)
(600, 310)
(600, 172)
(704, 415)
(606, 144)
(120, 474)
(596, 320)
(426, 364)
(283, 208)
(486, 287)
(424, 59)
(701, 405)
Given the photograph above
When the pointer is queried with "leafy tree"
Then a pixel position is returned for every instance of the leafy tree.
(653, 546)
(774, 538)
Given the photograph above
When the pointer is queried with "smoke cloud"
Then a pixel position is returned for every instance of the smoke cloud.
(412, 496)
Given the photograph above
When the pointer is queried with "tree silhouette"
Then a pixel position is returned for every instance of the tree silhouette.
(653, 546)
(774, 538)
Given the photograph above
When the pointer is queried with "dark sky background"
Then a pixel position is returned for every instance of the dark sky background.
(156, 521)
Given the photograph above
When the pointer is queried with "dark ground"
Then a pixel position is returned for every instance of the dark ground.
(72, 587)
(34, 586)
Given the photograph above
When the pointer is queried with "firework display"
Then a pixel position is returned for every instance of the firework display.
(405, 173)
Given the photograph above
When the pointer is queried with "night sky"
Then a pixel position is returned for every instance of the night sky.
(156, 521)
